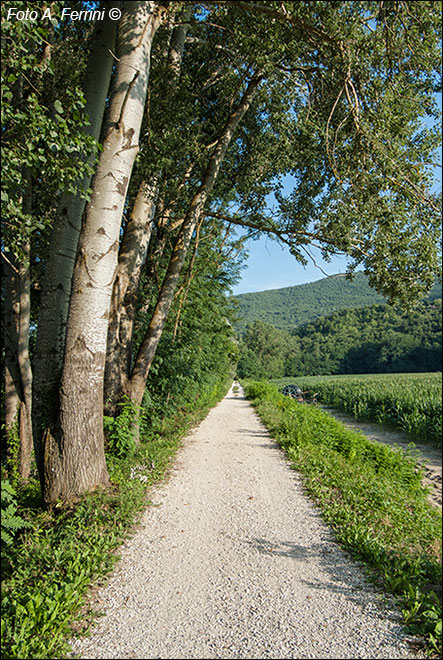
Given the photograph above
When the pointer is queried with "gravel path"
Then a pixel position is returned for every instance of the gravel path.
(233, 561)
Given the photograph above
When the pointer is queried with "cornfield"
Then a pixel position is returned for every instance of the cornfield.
(410, 402)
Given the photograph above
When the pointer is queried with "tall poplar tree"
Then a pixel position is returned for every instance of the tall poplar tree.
(44, 152)
(74, 457)
(56, 286)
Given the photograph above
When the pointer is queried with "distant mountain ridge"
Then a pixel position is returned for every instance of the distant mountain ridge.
(293, 306)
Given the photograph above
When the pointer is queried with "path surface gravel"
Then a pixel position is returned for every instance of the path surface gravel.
(234, 561)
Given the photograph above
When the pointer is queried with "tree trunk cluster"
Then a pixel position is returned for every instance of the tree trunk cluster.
(84, 362)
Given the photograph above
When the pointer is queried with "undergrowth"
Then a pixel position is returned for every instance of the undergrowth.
(51, 558)
(372, 497)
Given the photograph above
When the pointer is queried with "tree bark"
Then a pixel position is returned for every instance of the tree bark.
(149, 345)
(24, 363)
(132, 255)
(124, 296)
(56, 288)
(74, 459)
(18, 373)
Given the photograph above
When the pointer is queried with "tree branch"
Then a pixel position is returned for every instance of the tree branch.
(285, 16)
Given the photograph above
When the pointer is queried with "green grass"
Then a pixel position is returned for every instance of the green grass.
(48, 569)
(409, 402)
(372, 497)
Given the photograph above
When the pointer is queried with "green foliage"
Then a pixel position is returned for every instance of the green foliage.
(46, 576)
(340, 110)
(11, 448)
(310, 424)
(410, 402)
(43, 141)
(372, 497)
(262, 351)
(120, 431)
(377, 339)
(374, 339)
(11, 522)
(331, 116)
(197, 350)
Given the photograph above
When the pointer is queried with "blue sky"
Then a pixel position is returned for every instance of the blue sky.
(271, 266)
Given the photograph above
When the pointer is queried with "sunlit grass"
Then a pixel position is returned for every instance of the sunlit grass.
(409, 402)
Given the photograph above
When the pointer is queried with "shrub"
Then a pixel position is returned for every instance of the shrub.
(120, 431)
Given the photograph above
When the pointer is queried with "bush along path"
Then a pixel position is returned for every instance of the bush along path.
(234, 561)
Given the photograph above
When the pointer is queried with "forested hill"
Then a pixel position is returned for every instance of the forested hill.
(293, 306)
(373, 339)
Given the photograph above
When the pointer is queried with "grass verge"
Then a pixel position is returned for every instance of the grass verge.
(371, 496)
(409, 402)
(54, 560)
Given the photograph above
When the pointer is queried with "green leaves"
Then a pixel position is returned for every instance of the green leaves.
(11, 521)
(121, 431)
(356, 339)
(58, 107)
(263, 350)
(42, 131)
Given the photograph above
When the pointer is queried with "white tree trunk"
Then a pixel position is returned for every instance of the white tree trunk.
(74, 454)
(124, 294)
(56, 288)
